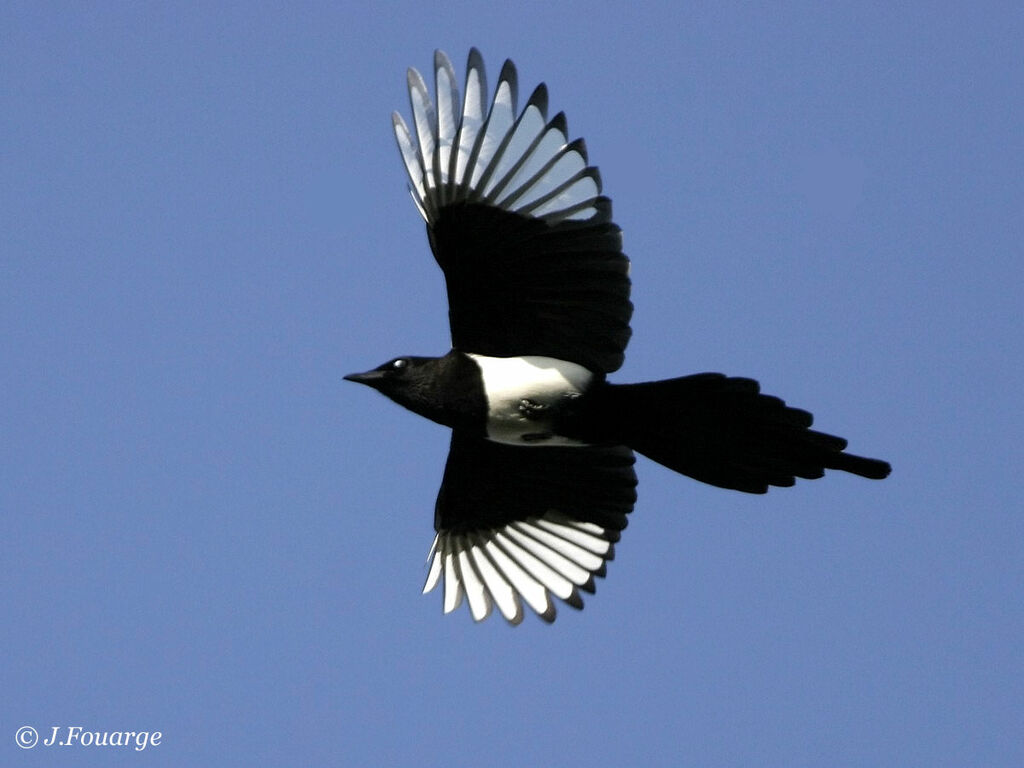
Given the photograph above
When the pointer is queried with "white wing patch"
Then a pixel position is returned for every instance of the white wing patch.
(475, 152)
(523, 561)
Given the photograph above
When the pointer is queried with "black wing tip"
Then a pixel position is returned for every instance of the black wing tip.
(508, 71)
(415, 80)
(509, 75)
(441, 60)
(603, 205)
(539, 99)
(475, 61)
(574, 600)
(579, 146)
(550, 614)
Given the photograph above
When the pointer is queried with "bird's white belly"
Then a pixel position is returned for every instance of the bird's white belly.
(543, 381)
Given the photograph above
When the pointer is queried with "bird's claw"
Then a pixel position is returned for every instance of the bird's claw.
(531, 409)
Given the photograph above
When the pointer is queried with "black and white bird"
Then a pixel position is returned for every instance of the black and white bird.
(539, 477)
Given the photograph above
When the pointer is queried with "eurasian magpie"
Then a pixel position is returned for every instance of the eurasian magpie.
(539, 477)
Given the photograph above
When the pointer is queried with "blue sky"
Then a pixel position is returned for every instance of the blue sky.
(205, 532)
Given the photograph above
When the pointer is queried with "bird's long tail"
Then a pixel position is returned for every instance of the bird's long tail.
(723, 431)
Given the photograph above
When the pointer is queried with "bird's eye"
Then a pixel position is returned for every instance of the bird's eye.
(399, 364)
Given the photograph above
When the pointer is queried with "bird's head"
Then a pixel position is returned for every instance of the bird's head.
(409, 381)
(392, 377)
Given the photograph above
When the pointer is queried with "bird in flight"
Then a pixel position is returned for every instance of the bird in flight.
(539, 477)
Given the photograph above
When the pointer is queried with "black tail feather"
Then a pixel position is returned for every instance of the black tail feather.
(723, 431)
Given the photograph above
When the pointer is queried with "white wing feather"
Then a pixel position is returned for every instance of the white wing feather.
(475, 151)
(527, 561)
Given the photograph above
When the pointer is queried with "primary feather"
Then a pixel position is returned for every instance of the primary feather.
(516, 161)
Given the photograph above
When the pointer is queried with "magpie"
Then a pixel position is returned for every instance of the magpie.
(539, 477)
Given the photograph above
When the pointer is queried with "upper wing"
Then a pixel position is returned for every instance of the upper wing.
(531, 257)
(524, 523)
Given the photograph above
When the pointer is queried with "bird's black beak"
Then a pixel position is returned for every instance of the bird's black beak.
(370, 378)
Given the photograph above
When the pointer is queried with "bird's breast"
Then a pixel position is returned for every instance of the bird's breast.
(526, 396)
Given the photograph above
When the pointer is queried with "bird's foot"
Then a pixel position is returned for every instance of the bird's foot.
(531, 409)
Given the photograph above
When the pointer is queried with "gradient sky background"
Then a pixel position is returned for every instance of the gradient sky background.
(205, 531)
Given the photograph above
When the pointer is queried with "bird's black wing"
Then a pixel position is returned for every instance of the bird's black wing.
(532, 260)
(521, 524)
